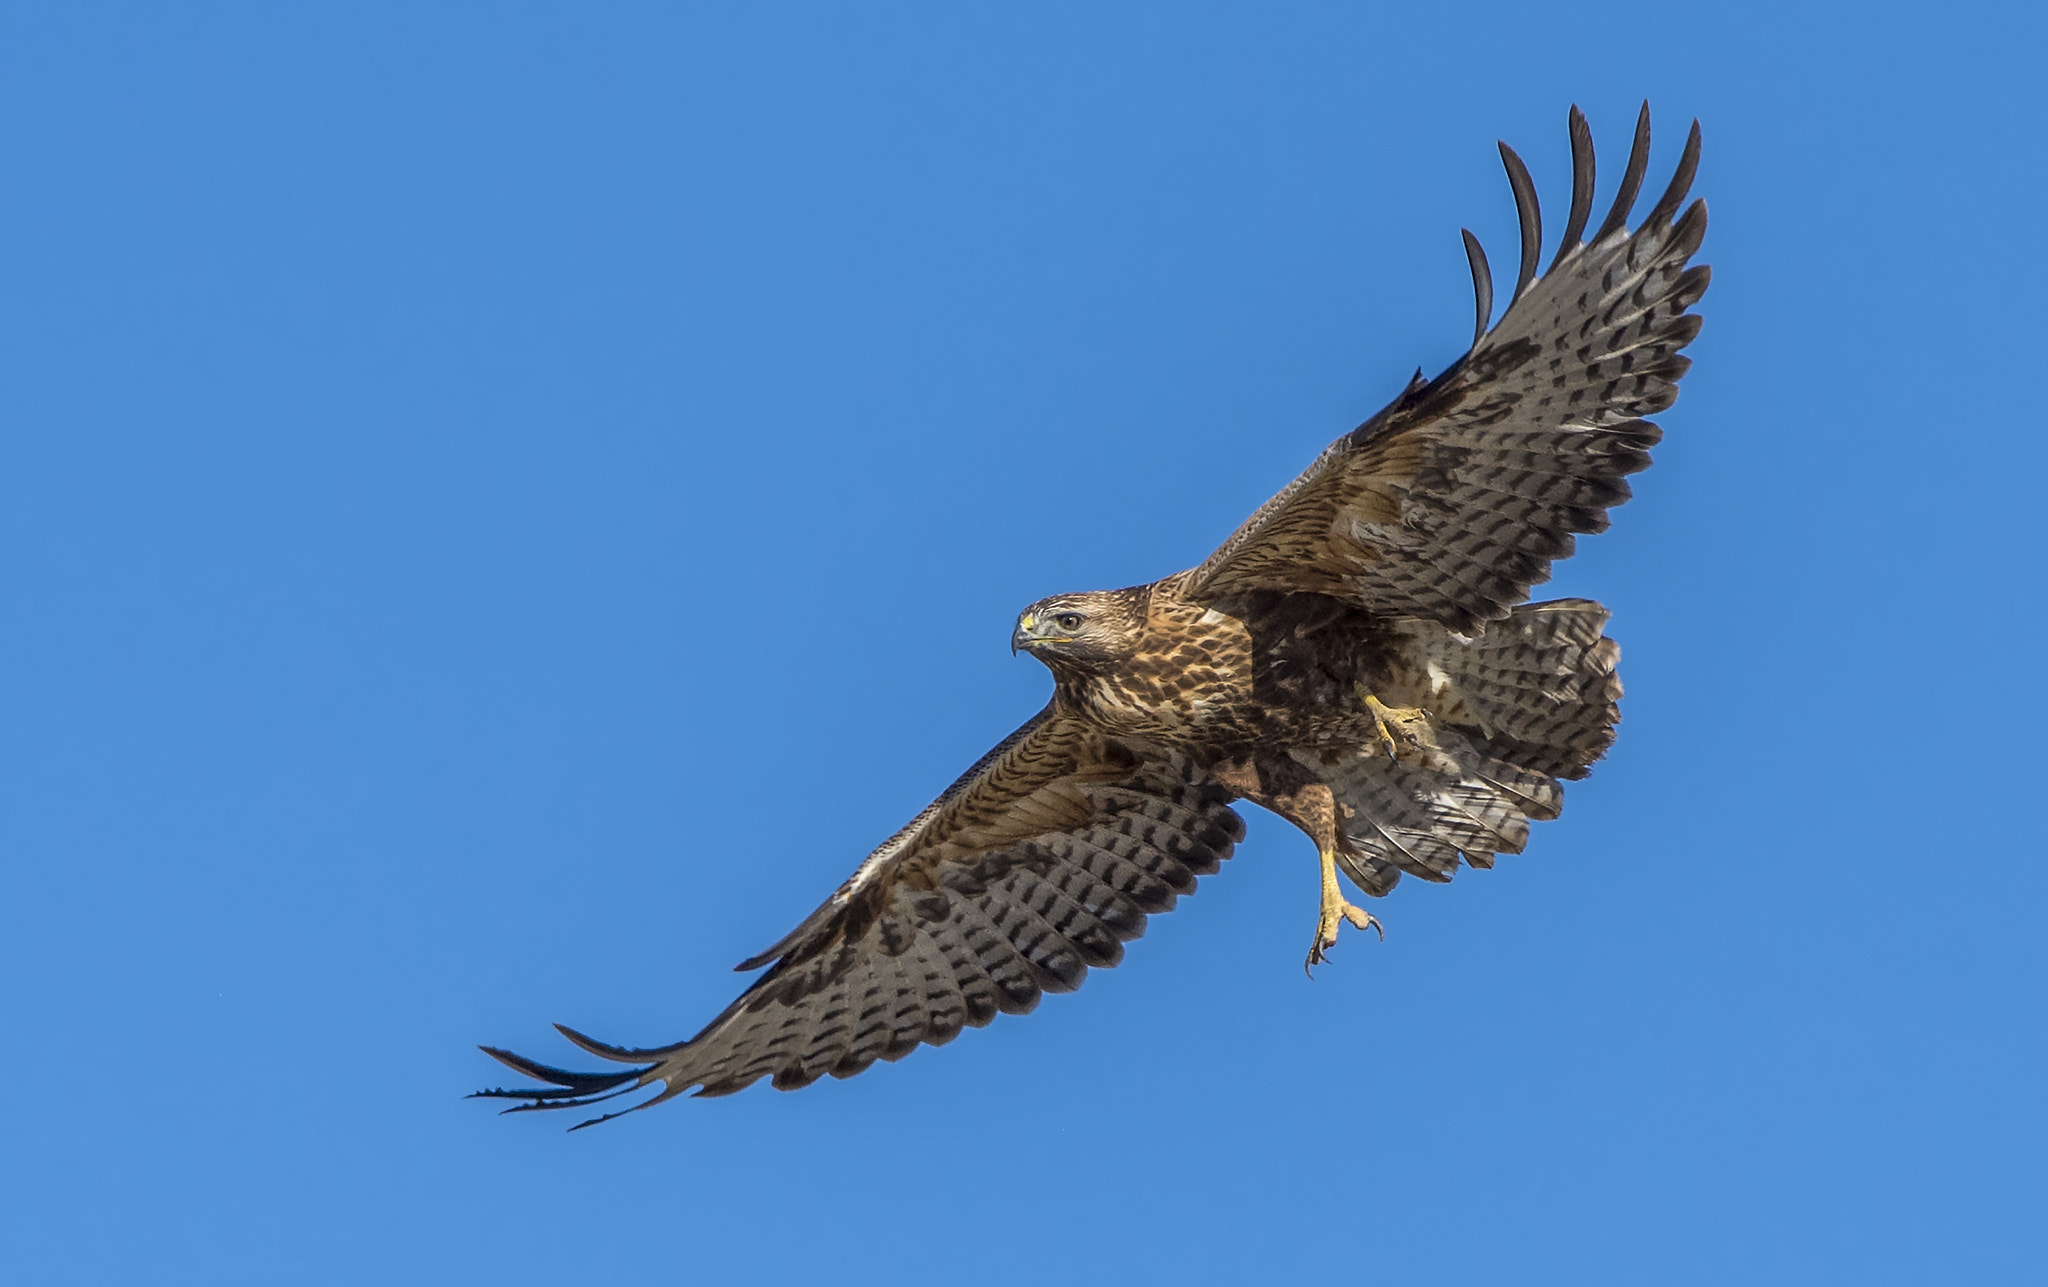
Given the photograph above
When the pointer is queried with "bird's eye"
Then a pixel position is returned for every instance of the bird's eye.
(1069, 620)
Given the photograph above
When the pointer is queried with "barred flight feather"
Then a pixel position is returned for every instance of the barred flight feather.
(1580, 356)
(1398, 561)
(1008, 926)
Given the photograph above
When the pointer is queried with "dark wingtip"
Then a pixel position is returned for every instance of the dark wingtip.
(1631, 178)
(1681, 180)
(546, 1102)
(544, 1072)
(619, 1054)
(1528, 213)
(589, 1089)
(568, 1089)
(1482, 284)
(1582, 182)
(775, 950)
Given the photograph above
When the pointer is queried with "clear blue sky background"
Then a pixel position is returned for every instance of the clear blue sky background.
(502, 507)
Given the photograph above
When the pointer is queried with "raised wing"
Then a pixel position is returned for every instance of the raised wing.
(1452, 502)
(1043, 859)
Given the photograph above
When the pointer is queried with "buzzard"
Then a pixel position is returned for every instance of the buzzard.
(1357, 657)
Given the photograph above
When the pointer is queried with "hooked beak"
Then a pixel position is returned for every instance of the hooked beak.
(1022, 636)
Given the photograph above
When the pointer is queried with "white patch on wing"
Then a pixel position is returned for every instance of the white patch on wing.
(1439, 680)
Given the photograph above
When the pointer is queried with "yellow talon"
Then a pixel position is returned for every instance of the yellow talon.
(1386, 720)
(1334, 913)
(1406, 730)
(1380, 710)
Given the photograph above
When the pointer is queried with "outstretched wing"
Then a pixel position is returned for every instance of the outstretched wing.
(1452, 502)
(1042, 860)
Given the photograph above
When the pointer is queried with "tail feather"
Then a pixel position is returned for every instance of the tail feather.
(1529, 702)
(1539, 686)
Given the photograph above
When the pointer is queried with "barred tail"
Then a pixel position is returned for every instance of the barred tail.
(1541, 685)
(1529, 702)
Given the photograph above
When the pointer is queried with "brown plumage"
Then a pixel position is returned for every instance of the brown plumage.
(1357, 657)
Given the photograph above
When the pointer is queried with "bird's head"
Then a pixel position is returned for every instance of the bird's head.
(1083, 633)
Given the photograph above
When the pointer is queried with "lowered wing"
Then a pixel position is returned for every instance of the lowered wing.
(1042, 860)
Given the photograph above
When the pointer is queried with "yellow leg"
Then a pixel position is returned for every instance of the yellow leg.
(1335, 911)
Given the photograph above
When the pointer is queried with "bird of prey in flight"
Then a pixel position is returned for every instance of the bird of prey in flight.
(1358, 657)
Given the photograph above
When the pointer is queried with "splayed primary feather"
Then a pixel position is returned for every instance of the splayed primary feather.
(1394, 568)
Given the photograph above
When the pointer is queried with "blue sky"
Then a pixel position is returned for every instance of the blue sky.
(502, 507)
